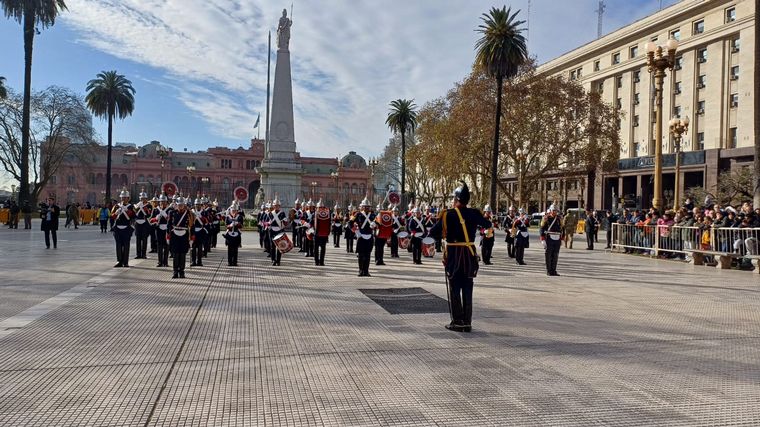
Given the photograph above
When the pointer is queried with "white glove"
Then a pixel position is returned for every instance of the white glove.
(543, 243)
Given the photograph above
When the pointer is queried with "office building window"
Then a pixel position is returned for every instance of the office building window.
(579, 72)
(619, 103)
(601, 87)
(677, 111)
(679, 63)
(734, 100)
(619, 81)
(635, 149)
(676, 34)
(616, 58)
(702, 55)
(636, 76)
(634, 50)
(700, 141)
(702, 81)
(701, 107)
(730, 14)
(636, 121)
(735, 72)
(735, 45)
(733, 139)
(677, 88)
(636, 99)
(699, 27)
(572, 75)
(597, 65)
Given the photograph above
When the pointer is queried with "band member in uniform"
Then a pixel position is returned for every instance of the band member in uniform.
(216, 218)
(337, 225)
(232, 238)
(308, 233)
(520, 232)
(122, 215)
(153, 240)
(159, 219)
(407, 216)
(321, 225)
(50, 215)
(551, 235)
(199, 234)
(365, 226)
(260, 219)
(507, 227)
(487, 237)
(349, 233)
(458, 227)
(295, 223)
(180, 226)
(417, 231)
(398, 226)
(278, 220)
(429, 220)
(380, 240)
(143, 211)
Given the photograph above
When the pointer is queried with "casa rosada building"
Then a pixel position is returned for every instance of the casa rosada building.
(711, 84)
(215, 172)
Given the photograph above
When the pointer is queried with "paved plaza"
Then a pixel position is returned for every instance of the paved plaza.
(616, 340)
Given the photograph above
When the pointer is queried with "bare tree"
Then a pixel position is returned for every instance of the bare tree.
(61, 130)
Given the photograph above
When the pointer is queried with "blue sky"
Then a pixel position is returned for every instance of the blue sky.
(199, 66)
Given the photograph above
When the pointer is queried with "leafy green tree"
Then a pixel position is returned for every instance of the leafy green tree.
(110, 95)
(500, 52)
(401, 118)
(31, 14)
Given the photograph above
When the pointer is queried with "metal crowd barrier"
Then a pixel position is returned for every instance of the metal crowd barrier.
(655, 240)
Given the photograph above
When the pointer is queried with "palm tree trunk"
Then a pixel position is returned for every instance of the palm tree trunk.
(756, 198)
(403, 166)
(495, 154)
(108, 160)
(26, 114)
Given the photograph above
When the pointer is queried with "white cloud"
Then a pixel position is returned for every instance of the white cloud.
(350, 58)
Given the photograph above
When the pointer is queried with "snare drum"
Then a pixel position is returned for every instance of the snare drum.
(428, 247)
(283, 243)
(403, 240)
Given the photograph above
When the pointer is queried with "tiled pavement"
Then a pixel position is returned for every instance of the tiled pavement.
(617, 340)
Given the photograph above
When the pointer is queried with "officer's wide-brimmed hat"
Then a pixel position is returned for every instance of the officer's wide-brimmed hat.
(462, 193)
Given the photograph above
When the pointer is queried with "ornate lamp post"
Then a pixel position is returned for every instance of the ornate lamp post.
(335, 175)
(521, 155)
(162, 153)
(678, 128)
(658, 62)
(190, 171)
(313, 190)
(372, 165)
(204, 181)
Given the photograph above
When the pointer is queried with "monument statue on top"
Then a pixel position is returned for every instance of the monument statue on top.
(283, 31)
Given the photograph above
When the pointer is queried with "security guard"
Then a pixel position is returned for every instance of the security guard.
(458, 226)
(551, 235)
(122, 215)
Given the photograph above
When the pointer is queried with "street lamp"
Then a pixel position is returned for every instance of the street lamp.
(521, 154)
(372, 165)
(204, 181)
(678, 128)
(162, 153)
(313, 189)
(190, 171)
(336, 176)
(658, 62)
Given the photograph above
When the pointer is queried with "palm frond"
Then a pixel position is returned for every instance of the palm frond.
(45, 11)
(110, 93)
(402, 115)
(502, 48)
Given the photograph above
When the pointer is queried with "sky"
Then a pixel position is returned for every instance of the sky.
(200, 66)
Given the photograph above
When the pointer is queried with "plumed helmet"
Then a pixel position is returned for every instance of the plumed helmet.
(320, 204)
(124, 194)
(297, 202)
(395, 209)
(521, 211)
(268, 205)
(143, 195)
(215, 203)
(553, 208)
(155, 199)
(511, 208)
(276, 201)
(235, 206)
(411, 205)
(379, 207)
(487, 208)
(180, 201)
(205, 200)
(309, 203)
(350, 207)
(336, 207)
(462, 193)
(415, 210)
(198, 202)
(163, 198)
(364, 203)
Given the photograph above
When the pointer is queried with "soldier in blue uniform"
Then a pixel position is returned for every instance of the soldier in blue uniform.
(199, 234)
(507, 227)
(522, 238)
(417, 231)
(365, 224)
(143, 211)
(397, 226)
(153, 239)
(122, 215)
(278, 220)
(349, 234)
(487, 237)
(458, 226)
(551, 233)
(233, 239)
(296, 224)
(159, 219)
(181, 234)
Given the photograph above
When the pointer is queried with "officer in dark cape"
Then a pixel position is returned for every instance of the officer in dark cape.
(458, 227)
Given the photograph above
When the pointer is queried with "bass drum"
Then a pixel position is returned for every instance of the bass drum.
(428, 247)
(283, 243)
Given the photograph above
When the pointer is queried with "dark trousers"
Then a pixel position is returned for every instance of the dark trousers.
(552, 254)
(511, 247)
(308, 246)
(162, 246)
(153, 239)
(179, 246)
(460, 300)
(590, 239)
(27, 221)
(233, 245)
(394, 245)
(487, 249)
(196, 252)
(296, 236)
(416, 245)
(274, 253)
(103, 225)
(380, 250)
(519, 252)
(336, 239)
(262, 236)
(54, 233)
(609, 236)
(142, 232)
(214, 236)
(320, 244)
(364, 251)
(350, 244)
(122, 238)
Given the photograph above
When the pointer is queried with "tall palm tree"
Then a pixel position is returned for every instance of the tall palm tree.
(402, 117)
(31, 14)
(110, 95)
(500, 52)
(3, 90)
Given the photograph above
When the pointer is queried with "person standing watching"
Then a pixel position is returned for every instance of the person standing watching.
(27, 211)
(590, 229)
(50, 214)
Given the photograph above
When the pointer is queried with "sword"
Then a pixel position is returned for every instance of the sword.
(448, 295)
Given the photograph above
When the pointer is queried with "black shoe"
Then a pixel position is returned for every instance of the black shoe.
(454, 327)
(175, 275)
(119, 265)
(379, 263)
(555, 274)
(125, 265)
(181, 274)
(467, 328)
(159, 265)
(522, 263)
(193, 264)
(487, 262)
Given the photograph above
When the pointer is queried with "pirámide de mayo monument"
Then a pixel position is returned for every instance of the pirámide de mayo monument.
(280, 171)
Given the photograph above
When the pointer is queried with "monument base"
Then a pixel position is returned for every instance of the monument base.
(282, 179)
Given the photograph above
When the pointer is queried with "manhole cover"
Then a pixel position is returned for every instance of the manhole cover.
(407, 300)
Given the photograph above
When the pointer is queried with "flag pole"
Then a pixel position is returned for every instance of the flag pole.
(269, 61)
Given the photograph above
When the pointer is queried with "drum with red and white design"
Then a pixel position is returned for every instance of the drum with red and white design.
(323, 224)
(385, 224)
(241, 194)
(428, 247)
(282, 243)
